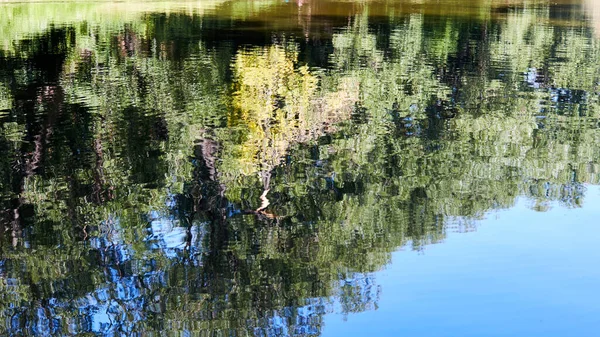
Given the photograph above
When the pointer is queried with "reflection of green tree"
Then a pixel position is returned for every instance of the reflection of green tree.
(5, 99)
(382, 150)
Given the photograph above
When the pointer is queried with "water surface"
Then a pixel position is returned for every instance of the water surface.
(273, 168)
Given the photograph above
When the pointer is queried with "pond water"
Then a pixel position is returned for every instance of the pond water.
(300, 168)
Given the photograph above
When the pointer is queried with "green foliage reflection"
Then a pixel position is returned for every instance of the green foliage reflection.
(175, 180)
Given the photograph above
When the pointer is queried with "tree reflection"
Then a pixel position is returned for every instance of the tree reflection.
(156, 180)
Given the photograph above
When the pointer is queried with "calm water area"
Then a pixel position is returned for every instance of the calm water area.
(300, 168)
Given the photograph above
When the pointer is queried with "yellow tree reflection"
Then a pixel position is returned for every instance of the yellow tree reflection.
(276, 104)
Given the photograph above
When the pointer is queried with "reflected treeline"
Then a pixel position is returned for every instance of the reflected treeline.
(157, 178)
